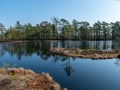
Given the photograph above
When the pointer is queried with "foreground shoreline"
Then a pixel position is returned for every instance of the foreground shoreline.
(90, 53)
(21, 79)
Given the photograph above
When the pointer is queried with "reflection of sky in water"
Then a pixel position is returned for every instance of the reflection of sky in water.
(73, 73)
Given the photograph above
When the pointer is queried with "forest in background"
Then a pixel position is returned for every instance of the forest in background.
(61, 29)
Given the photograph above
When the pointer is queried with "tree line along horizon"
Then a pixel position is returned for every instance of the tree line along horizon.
(62, 29)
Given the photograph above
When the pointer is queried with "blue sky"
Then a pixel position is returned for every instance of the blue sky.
(35, 11)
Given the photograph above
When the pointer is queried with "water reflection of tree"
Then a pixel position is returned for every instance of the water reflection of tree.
(115, 44)
(66, 63)
(104, 45)
(2, 51)
(42, 48)
(117, 62)
(27, 49)
(63, 43)
(55, 58)
(98, 45)
(67, 67)
(83, 44)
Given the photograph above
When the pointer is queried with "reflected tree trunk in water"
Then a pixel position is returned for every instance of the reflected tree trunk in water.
(98, 45)
(104, 45)
(68, 68)
(117, 62)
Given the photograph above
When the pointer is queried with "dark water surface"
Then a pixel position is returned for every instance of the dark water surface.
(72, 73)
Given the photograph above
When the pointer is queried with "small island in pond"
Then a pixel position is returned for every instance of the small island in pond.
(89, 53)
